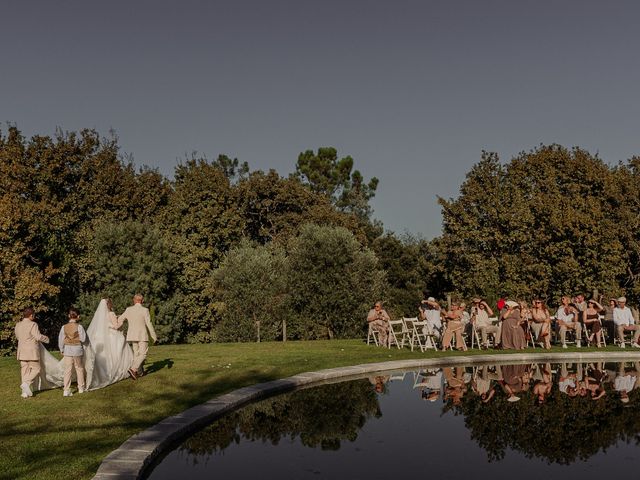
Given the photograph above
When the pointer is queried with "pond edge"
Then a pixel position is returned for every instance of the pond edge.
(138, 452)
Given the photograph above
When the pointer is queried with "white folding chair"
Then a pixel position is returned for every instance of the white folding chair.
(373, 334)
(396, 333)
(423, 336)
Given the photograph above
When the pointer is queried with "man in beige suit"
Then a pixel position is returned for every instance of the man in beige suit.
(139, 322)
(29, 338)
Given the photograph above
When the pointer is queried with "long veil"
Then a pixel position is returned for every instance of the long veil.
(107, 356)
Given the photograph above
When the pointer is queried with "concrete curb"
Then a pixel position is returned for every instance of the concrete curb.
(131, 459)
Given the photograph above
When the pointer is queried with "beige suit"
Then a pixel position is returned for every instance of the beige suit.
(139, 322)
(29, 338)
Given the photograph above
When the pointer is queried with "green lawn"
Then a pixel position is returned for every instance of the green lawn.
(50, 437)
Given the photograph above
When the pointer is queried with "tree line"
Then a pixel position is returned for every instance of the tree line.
(226, 253)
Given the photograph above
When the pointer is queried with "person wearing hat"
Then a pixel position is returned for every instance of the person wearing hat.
(454, 327)
(480, 313)
(512, 331)
(430, 312)
(624, 322)
(567, 316)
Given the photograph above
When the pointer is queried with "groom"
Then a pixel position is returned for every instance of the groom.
(139, 322)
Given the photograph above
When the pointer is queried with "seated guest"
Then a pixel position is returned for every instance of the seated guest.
(591, 320)
(430, 311)
(541, 323)
(623, 320)
(378, 319)
(480, 313)
(464, 316)
(580, 303)
(567, 316)
(454, 327)
(512, 332)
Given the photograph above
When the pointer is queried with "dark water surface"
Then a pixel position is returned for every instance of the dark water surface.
(530, 421)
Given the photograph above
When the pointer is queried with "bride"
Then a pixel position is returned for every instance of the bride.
(107, 355)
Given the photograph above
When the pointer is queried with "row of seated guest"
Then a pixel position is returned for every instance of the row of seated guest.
(516, 317)
(591, 380)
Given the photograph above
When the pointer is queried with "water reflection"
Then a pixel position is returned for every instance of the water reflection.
(553, 414)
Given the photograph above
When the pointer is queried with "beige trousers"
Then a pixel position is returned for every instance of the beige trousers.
(29, 370)
(140, 350)
(69, 364)
(628, 328)
(493, 329)
(570, 326)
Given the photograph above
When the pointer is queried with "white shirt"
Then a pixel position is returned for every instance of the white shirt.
(433, 318)
(567, 318)
(625, 382)
(623, 316)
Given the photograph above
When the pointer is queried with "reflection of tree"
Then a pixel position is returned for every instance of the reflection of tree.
(561, 430)
(322, 416)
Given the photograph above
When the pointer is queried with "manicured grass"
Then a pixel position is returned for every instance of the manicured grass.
(50, 437)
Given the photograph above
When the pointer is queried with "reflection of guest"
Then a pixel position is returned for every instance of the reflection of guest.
(378, 318)
(432, 385)
(567, 383)
(543, 385)
(455, 384)
(626, 381)
(379, 382)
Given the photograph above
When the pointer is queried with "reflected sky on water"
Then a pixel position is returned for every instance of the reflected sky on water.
(452, 423)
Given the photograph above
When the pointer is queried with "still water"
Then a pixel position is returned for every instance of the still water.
(527, 421)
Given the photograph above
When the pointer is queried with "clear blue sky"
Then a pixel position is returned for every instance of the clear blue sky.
(413, 90)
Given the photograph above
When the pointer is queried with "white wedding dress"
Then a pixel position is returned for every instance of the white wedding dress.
(107, 356)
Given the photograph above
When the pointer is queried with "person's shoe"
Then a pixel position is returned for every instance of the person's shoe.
(133, 374)
(635, 345)
(67, 393)
(26, 390)
(81, 390)
(564, 345)
(622, 345)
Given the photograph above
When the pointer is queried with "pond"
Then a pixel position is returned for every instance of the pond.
(525, 421)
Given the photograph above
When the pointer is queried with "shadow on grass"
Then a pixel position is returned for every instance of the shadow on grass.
(159, 365)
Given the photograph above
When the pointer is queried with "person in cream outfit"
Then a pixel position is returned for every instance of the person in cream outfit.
(139, 322)
(29, 338)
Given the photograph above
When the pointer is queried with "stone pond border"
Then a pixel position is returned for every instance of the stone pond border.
(135, 455)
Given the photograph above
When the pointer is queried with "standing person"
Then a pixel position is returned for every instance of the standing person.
(623, 320)
(567, 316)
(609, 326)
(70, 341)
(139, 322)
(29, 338)
(379, 319)
(512, 332)
(480, 313)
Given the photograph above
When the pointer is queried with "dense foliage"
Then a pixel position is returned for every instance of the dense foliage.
(78, 222)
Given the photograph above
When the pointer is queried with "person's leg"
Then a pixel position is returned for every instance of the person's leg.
(636, 335)
(620, 329)
(460, 345)
(483, 336)
(29, 370)
(446, 339)
(577, 326)
(143, 348)
(563, 334)
(68, 368)
(78, 363)
(136, 348)
(536, 329)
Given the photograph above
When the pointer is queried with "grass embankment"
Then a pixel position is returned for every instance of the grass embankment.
(51, 437)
